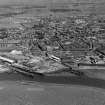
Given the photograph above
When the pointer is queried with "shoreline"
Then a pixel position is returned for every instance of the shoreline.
(63, 80)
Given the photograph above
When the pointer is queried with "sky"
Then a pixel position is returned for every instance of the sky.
(42, 1)
(19, 1)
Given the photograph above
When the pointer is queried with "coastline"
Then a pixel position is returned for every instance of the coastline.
(63, 79)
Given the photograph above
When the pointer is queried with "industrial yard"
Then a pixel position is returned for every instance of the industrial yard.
(53, 41)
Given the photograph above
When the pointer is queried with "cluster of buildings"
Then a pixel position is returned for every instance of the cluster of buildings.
(57, 35)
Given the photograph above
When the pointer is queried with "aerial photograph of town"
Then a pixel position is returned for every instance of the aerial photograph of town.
(52, 52)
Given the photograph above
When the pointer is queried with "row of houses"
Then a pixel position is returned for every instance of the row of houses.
(4, 43)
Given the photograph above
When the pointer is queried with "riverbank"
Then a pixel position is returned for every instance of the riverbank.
(65, 80)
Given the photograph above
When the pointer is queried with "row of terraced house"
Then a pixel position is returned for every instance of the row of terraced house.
(8, 44)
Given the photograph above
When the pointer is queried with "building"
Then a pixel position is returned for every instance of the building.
(8, 44)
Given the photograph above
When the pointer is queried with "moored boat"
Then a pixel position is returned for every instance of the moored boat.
(24, 69)
(99, 66)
